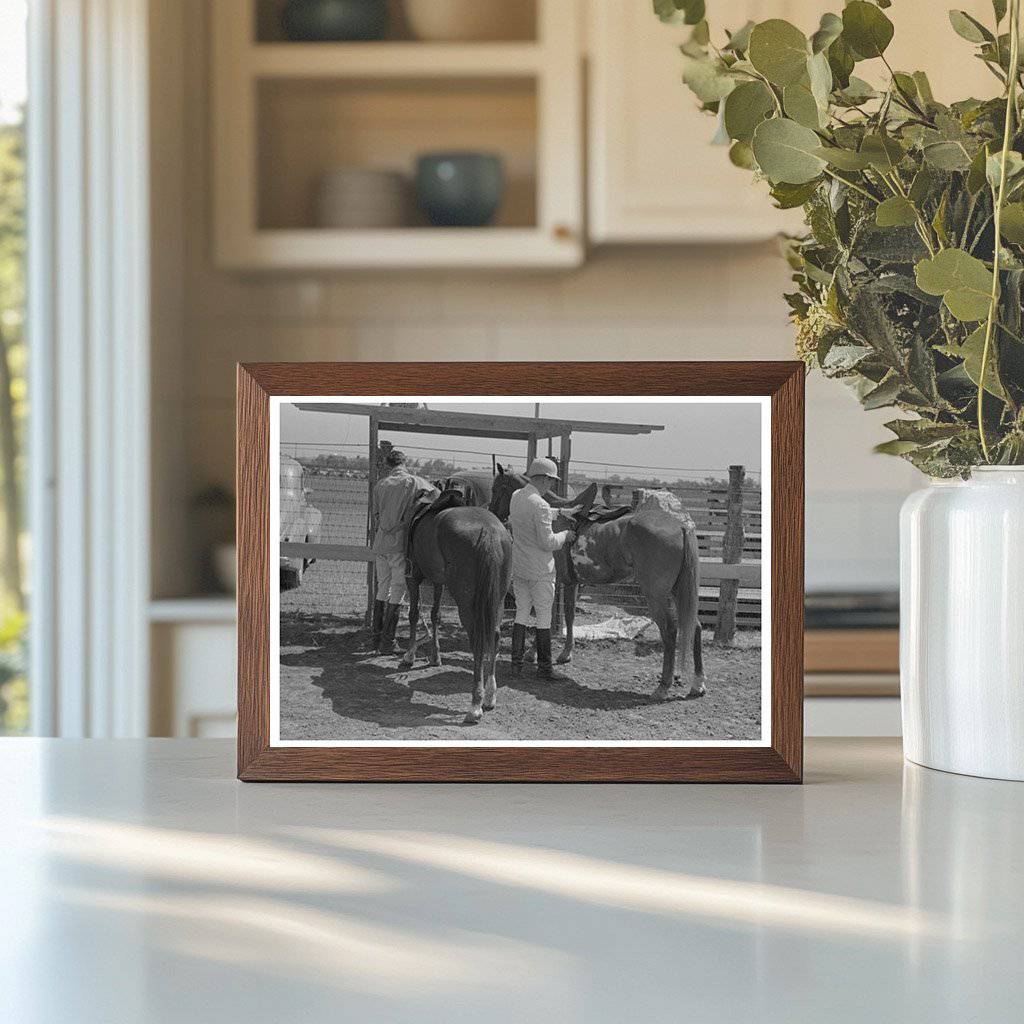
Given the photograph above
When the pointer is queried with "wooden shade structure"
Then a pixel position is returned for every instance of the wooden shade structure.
(476, 424)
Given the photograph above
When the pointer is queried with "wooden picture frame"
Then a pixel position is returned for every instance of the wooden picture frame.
(780, 759)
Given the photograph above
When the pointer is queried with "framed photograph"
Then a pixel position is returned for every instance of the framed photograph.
(578, 572)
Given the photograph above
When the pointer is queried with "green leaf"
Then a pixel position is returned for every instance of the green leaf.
(741, 155)
(971, 352)
(801, 106)
(947, 156)
(922, 185)
(739, 41)
(745, 108)
(844, 159)
(787, 151)
(922, 431)
(885, 394)
(963, 281)
(829, 30)
(819, 74)
(993, 167)
(788, 196)
(924, 88)
(895, 447)
(883, 152)
(999, 9)
(1012, 224)
(779, 51)
(969, 28)
(857, 91)
(690, 12)
(976, 174)
(841, 63)
(866, 29)
(707, 78)
(895, 212)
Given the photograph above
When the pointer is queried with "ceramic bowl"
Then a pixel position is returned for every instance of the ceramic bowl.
(470, 20)
(359, 197)
(460, 189)
(332, 21)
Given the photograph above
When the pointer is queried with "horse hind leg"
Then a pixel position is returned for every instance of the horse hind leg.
(697, 687)
(667, 620)
(435, 616)
(476, 711)
(491, 683)
(413, 586)
(569, 594)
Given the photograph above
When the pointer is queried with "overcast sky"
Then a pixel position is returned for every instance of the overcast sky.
(698, 439)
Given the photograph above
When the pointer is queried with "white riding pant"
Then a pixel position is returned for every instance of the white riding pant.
(534, 601)
(391, 578)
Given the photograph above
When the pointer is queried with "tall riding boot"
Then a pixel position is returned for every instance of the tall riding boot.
(518, 649)
(387, 636)
(545, 669)
(376, 625)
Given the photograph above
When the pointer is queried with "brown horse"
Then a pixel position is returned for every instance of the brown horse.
(468, 551)
(504, 485)
(658, 551)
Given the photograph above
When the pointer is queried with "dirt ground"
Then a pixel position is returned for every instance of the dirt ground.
(331, 691)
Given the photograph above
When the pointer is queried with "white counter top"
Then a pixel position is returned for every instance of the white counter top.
(140, 882)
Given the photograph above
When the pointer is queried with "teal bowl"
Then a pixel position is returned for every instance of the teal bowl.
(462, 190)
(334, 21)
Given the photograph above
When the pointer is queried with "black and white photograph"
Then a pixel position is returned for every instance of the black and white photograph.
(524, 570)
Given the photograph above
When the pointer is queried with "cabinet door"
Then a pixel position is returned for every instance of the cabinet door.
(654, 177)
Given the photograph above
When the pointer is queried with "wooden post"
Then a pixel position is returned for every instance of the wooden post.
(564, 458)
(732, 554)
(565, 455)
(531, 450)
(371, 484)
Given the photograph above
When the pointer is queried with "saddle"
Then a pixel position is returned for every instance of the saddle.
(602, 514)
(586, 516)
(424, 506)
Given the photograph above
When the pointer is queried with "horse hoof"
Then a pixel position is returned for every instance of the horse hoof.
(473, 717)
(406, 663)
(563, 659)
(434, 662)
(489, 707)
(662, 693)
(696, 691)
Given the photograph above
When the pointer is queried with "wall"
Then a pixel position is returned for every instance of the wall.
(652, 303)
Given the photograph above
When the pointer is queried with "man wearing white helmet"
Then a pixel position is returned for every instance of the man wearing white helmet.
(533, 565)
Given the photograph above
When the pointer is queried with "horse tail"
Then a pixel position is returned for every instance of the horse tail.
(490, 584)
(687, 595)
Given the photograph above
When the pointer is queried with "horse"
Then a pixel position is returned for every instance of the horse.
(504, 484)
(659, 551)
(467, 550)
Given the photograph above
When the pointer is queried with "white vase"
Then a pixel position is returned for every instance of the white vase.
(962, 624)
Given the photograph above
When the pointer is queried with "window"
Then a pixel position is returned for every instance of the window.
(14, 690)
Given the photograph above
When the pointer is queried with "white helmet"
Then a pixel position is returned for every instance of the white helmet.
(543, 467)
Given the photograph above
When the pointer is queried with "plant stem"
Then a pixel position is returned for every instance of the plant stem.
(853, 185)
(1011, 108)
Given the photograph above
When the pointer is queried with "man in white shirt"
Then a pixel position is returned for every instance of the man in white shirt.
(533, 565)
(393, 499)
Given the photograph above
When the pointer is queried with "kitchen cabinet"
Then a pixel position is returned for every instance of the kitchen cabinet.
(288, 114)
(654, 177)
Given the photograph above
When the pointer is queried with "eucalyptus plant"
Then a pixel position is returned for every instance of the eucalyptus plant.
(910, 277)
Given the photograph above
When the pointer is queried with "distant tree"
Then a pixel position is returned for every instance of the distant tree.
(13, 398)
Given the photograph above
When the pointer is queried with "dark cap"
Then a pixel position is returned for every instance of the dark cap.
(395, 457)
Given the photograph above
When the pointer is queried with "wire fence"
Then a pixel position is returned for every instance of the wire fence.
(326, 502)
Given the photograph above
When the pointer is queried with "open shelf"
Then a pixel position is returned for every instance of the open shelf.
(388, 60)
(520, 23)
(309, 127)
(286, 114)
